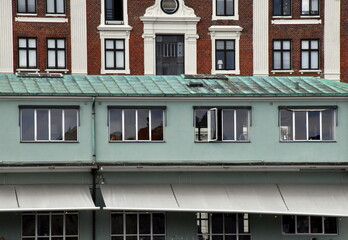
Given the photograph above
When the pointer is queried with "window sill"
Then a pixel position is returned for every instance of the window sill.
(247, 141)
(318, 71)
(27, 14)
(49, 142)
(104, 27)
(27, 70)
(42, 19)
(281, 17)
(282, 71)
(125, 71)
(310, 16)
(296, 21)
(235, 72)
(55, 15)
(144, 141)
(309, 141)
(214, 18)
(56, 70)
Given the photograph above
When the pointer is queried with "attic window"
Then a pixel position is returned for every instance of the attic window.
(206, 76)
(195, 84)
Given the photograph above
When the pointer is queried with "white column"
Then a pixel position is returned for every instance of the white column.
(78, 12)
(191, 54)
(260, 37)
(6, 37)
(149, 55)
(332, 40)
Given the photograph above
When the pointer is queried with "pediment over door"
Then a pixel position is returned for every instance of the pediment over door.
(156, 11)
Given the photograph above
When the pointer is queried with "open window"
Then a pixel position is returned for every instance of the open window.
(228, 124)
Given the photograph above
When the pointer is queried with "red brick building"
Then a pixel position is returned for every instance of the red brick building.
(235, 37)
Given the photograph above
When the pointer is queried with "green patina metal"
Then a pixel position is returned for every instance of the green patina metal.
(170, 86)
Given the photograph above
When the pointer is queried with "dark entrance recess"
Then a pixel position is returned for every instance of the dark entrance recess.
(169, 54)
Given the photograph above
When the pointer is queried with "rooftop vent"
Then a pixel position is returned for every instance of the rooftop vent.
(206, 76)
(39, 75)
(195, 84)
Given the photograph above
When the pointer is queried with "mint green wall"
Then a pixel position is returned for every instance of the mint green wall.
(179, 145)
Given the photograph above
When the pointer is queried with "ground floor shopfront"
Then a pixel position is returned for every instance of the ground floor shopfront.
(174, 206)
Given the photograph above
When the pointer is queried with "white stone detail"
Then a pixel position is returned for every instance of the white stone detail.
(6, 39)
(296, 21)
(183, 21)
(260, 37)
(332, 40)
(78, 20)
(42, 19)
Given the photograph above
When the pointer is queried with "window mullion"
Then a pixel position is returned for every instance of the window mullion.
(150, 124)
(307, 126)
(296, 224)
(63, 124)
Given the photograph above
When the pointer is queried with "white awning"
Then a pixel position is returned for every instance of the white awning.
(296, 199)
(8, 201)
(316, 199)
(54, 197)
(139, 197)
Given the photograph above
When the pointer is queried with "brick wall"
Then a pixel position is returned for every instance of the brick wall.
(344, 41)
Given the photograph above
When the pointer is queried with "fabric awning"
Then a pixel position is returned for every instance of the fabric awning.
(296, 199)
(54, 197)
(8, 201)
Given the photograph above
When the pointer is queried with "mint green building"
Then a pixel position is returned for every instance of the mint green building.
(205, 157)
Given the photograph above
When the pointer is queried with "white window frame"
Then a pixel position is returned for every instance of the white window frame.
(28, 49)
(307, 127)
(49, 125)
(237, 234)
(50, 214)
(216, 17)
(55, 7)
(212, 118)
(309, 51)
(225, 33)
(136, 125)
(309, 227)
(55, 50)
(151, 235)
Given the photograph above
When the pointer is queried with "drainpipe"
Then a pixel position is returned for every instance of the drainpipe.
(94, 171)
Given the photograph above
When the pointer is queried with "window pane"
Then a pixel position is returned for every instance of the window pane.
(302, 224)
(330, 225)
(60, 6)
(314, 44)
(57, 225)
(156, 124)
(228, 124)
(230, 223)
(116, 223)
(109, 44)
(286, 125)
(314, 60)
(109, 61)
(23, 58)
(277, 60)
(300, 126)
(70, 118)
(305, 60)
(131, 224)
(129, 124)
(213, 124)
(230, 60)
(217, 237)
(61, 43)
(51, 43)
(229, 7)
(116, 238)
(28, 225)
(286, 7)
(21, 5)
(286, 45)
(27, 124)
(120, 44)
(288, 224)
(220, 45)
(220, 7)
(50, 6)
(43, 222)
(242, 124)
(119, 59)
(61, 59)
(201, 130)
(32, 43)
(305, 6)
(286, 60)
(217, 223)
(56, 124)
(243, 223)
(313, 126)
(244, 237)
(277, 45)
(315, 6)
(230, 45)
(305, 44)
(143, 124)
(32, 58)
(158, 223)
(22, 43)
(42, 124)
(144, 224)
(220, 60)
(72, 224)
(31, 6)
(115, 124)
(277, 10)
(316, 224)
(51, 59)
(328, 124)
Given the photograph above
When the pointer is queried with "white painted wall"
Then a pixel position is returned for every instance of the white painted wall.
(6, 37)
(260, 37)
(78, 12)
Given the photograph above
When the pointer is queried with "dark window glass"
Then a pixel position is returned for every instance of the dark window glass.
(242, 124)
(330, 225)
(26, 6)
(302, 224)
(27, 53)
(71, 226)
(43, 227)
(113, 10)
(158, 223)
(116, 223)
(316, 224)
(70, 117)
(27, 125)
(286, 125)
(313, 125)
(224, 7)
(244, 237)
(228, 124)
(243, 223)
(309, 54)
(157, 124)
(300, 126)
(144, 223)
(42, 124)
(55, 6)
(131, 224)
(289, 224)
(114, 54)
(328, 124)
(281, 7)
(115, 124)
(28, 225)
(143, 124)
(56, 124)
(217, 223)
(57, 225)
(230, 223)
(129, 124)
(225, 54)
(56, 54)
(201, 126)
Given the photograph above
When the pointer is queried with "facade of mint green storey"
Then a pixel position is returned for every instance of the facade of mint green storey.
(179, 160)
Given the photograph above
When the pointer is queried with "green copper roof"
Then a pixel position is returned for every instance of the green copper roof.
(146, 85)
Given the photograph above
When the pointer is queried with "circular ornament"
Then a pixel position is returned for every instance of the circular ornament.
(169, 6)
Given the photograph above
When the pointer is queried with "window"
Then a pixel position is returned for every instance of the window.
(27, 53)
(281, 54)
(225, 54)
(222, 124)
(55, 7)
(114, 54)
(54, 225)
(310, 54)
(136, 124)
(310, 7)
(26, 6)
(49, 124)
(224, 7)
(113, 11)
(138, 226)
(309, 225)
(281, 7)
(56, 50)
(313, 124)
(223, 226)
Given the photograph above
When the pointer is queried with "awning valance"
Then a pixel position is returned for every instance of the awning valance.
(297, 199)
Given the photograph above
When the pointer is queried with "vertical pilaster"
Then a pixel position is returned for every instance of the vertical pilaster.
(6, 37)
(149, 54)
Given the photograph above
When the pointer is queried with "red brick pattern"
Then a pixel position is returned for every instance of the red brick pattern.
(344, 41)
